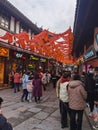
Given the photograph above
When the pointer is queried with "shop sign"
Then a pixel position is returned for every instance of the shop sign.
(4, 52)
(90, 54)
(32, 57)
(1, 72)
(42, 60)
(19, 55)
(31, 66)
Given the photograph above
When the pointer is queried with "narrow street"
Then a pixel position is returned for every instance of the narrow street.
(32, 116)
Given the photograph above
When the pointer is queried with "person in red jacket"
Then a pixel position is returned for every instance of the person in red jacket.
(17, 78)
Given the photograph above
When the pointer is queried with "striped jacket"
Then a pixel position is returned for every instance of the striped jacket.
(77, 95)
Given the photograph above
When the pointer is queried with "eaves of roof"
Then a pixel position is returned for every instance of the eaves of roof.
(16, 13)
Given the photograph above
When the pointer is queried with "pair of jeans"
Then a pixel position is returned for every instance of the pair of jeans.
(29, 95)
(63, 111)
(16, 87)
(25, 94)
(76, 117)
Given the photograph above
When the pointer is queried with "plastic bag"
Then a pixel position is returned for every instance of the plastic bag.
(95, 114)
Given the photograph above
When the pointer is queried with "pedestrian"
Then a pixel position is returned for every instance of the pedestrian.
(62, 94)
(90, 88)
(77, 98)
(37, 88)
(4, 124)
(96, 86)
(45, 81)
(54, 80)
(29, 87)
(25, 80)
(17, 78)
(48, 76)
(83, 77)
(11, 79)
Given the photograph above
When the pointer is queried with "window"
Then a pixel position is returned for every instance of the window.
(4, 21)
(23, 28)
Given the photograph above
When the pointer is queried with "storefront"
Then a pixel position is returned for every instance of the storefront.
(90, 58)
(36, 63)
(33, 62)
(4, 56)
(13, 59)
(44, 64)
(18, 60)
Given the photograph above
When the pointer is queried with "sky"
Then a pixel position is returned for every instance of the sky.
(55, 15)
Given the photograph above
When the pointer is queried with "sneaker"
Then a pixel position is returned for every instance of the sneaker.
(30, 100)
(22, 100)
(87, 104)
(64, 126)
(94, 127)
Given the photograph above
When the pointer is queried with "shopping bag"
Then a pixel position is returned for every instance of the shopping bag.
(95, 114)
(29, 86)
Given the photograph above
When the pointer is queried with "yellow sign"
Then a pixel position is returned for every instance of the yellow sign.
(1, 72)
(33, 57)
(4, 52)
(14, 67)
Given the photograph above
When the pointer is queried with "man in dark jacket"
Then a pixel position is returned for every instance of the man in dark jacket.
(90, 87)
(96, 85)
(4, 125)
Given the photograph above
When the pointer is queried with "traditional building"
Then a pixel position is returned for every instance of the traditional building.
(86, 34)
(11, 56)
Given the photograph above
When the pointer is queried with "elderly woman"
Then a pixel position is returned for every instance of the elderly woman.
(37, 88)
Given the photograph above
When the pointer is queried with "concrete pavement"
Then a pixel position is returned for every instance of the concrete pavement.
(32, 116)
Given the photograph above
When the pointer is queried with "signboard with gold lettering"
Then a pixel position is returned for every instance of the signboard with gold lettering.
(1, 72)
(4, 52)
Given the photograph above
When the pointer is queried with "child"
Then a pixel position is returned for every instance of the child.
(30, 90)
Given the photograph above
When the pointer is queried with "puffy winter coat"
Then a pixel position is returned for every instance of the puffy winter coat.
(77, 95)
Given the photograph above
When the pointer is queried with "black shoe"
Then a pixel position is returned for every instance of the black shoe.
(26, 100)
(22, 100)
(65, 126)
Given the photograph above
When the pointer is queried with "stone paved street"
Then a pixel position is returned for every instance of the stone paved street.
(32, 116)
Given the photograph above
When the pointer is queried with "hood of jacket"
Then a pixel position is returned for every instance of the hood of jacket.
(75, 83)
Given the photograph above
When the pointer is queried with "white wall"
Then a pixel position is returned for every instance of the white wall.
(2, 33)
(17, 26)
(29, 33)
(12, 24)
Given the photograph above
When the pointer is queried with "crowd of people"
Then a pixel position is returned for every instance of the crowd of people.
(31, 82)
(74, 91)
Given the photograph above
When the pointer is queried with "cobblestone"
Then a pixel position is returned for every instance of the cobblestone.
(32, 116)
